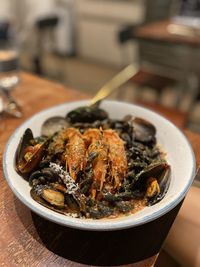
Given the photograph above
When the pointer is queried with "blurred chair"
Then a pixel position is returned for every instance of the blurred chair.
(168, 64)
(170, 60)
(146, 78)
(155, 81)
(45, 28)
(149, 79)
(4, 30)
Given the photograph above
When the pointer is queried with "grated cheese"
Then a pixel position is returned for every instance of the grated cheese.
(69, 182)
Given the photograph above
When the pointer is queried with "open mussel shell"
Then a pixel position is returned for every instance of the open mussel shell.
(72, 203)
(87, 114)
(37, 193)
(160, 173)
(163, 182)
(24, 142)
(143, 130)
(26, 166)
(51, 197)
(53, 125)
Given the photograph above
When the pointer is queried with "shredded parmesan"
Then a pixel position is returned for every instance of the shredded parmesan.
(70, 184)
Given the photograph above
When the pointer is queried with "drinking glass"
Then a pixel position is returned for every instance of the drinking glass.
(9, 57)
(9, 68)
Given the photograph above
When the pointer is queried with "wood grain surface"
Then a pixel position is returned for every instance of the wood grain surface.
(25, 238)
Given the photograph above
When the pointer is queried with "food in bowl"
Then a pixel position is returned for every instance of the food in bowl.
(88, 165)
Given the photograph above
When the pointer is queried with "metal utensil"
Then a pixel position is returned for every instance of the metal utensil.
(11, 106)
(123, 76)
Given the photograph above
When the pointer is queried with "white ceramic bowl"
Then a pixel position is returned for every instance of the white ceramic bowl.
(179, 155)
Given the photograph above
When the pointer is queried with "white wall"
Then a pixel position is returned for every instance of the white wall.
(98, 25)
(27, 12)
(5, 9)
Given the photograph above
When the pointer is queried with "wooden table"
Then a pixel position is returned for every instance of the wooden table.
(25, 238)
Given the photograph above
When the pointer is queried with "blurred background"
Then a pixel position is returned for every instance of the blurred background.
(84, 43)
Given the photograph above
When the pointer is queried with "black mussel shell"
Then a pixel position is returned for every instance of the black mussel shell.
(153, 170)
(53, 125)
(161, 172)
(24, 142)
(36, 193)
(144, 131)
(47, 174)
(87, 114)
(25, 167)
(164, 182)
(72, 203)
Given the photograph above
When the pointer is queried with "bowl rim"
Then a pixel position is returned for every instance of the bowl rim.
(89, 224)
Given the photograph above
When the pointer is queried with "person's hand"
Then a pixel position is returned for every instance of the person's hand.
(183, 241)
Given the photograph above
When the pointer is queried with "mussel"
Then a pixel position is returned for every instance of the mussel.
(154, 180)
(87, 114)
(55, 197)
(143, 130)
(24, 141)
(49, 197)
(53, 125)
(29, 153)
